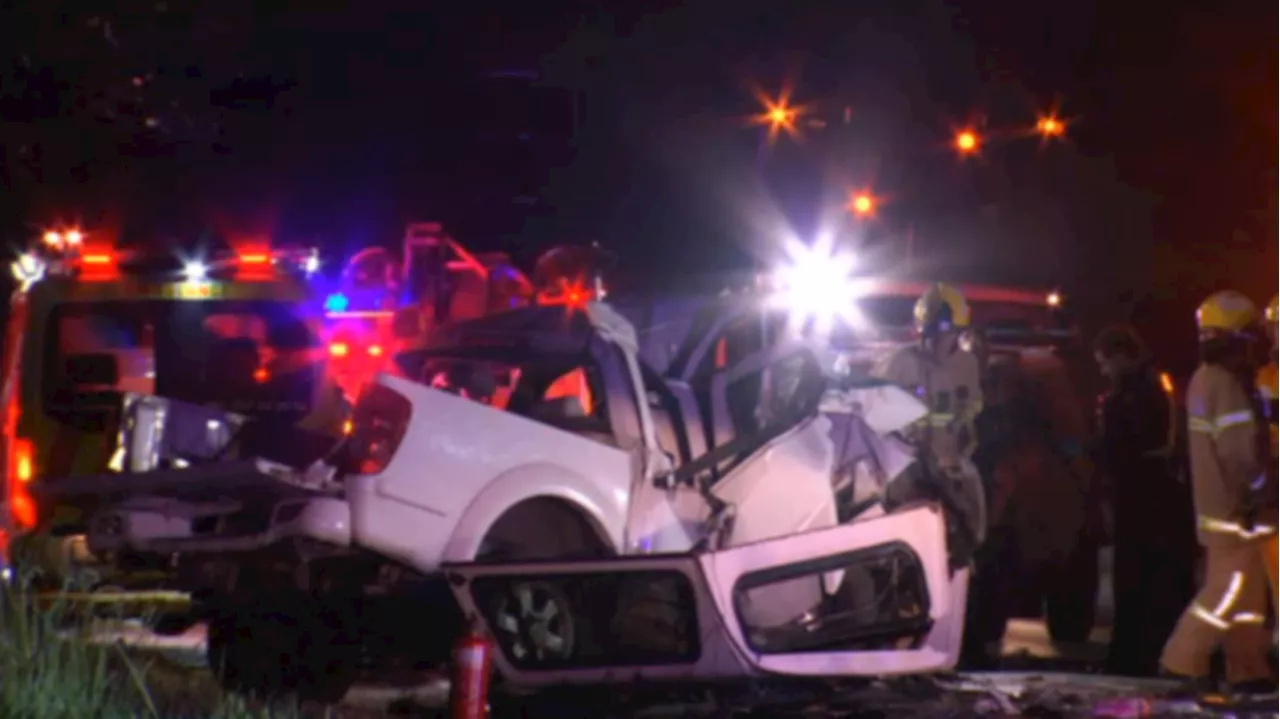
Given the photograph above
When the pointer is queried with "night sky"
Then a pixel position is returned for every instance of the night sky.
(339, 122)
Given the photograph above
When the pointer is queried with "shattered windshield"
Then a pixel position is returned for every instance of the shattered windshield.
(254, 357)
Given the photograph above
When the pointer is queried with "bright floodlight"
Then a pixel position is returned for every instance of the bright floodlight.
(195, 271)
(28, 269)
(817, 285)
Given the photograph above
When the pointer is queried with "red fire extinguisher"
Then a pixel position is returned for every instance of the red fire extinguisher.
(472, 670)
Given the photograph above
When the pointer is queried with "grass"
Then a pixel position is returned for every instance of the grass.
(49, 669)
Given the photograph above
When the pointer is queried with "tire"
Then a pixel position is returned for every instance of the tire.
(534, 622)
(539, 529)
(1071, 599)
(294, 651)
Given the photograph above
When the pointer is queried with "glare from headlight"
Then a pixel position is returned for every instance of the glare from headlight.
(817, 286)
(195, 271)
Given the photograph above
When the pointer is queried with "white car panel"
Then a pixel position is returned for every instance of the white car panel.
(922, 528)
(452, 477)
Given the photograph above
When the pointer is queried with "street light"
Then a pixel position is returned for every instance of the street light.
(779, 115)
(1049, 126)
(863, 204)
(967, 142)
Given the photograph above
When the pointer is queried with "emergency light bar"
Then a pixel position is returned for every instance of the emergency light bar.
(67, 253)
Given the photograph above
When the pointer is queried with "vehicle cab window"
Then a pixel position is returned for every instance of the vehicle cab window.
(560, 392)
(741, 338)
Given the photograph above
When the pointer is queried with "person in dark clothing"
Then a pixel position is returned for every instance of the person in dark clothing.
(1035, 502)
(1139, 454)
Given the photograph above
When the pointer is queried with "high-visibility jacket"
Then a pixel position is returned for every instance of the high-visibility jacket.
(950, 384)
(1225, 459)
(1269, 389)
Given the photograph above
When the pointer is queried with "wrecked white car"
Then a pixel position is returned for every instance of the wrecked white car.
(598, 514)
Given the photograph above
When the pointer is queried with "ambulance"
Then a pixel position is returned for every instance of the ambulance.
(89, 322)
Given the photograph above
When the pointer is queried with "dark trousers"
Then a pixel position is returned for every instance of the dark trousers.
(994, 592)
(1152, 581)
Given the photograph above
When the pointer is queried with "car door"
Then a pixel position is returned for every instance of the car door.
(897, 610)
(691, 616)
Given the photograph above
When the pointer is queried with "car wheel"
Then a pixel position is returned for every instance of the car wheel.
(1071, 599)
(537, 621)
(534, 622)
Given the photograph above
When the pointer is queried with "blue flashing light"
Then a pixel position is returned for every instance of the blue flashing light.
(336, 302)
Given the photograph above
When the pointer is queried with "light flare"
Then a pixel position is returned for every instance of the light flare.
(817, 286)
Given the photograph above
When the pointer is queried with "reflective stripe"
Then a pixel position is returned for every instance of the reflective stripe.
(1217, 616)
(1221, 423)
(1229, 597)
(1248, 618)
(1222, 526)
(1207, 617)
(1231, 419)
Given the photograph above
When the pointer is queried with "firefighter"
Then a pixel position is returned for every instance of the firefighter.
(1234, 505)
(942, 371)
(1153, 575)
(1269, 389)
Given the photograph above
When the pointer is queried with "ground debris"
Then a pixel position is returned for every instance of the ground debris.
(787, 699)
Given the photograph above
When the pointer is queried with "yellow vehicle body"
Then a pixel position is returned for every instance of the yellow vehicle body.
(145, 324)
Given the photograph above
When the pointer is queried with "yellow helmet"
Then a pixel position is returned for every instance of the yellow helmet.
(941, 305)
(1273, 311)
(1226, 311)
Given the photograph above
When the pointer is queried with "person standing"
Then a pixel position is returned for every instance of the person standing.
(941, 370)
(1269, 389)
(1154, 571)
(1227, 447)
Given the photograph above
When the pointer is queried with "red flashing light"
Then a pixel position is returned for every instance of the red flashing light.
(339, 349)
(573, 295)
(375, 351)
(261, 375)
(99, 265)
(255, 258)
(22, 468)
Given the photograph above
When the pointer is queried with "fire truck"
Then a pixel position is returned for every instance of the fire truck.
(90, 323)
(384, 301)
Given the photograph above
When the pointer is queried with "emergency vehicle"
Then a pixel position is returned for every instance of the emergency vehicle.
(89, 322)
(383, 300)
